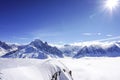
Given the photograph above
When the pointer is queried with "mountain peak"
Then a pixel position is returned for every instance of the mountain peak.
(36, 42)
(4, 45)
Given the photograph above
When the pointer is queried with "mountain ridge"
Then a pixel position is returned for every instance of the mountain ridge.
(42, 50)
(35, 49)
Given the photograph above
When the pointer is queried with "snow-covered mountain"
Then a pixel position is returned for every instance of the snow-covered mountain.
(70, 50)
(36, 49)
(92, 49)
(5, 48)
(112, 50)
(42, 50)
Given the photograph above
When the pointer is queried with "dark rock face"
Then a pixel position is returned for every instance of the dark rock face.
(4, 45)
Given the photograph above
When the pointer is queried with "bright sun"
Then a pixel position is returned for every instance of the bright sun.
(111, 4)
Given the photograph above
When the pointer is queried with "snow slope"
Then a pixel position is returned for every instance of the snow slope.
(31, 69)
(97, 68)
(82, 69)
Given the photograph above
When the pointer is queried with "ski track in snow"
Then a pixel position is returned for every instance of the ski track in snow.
(82, 69)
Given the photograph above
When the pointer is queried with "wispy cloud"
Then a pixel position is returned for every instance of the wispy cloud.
(91, 34)
(87, 34)
(92, 16)
(43, 34)
(58, 44)
(109, 35)
(21, 38)
(109, 39)
(105, 42)
(99, 34)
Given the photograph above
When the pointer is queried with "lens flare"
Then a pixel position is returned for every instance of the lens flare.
(111, 4)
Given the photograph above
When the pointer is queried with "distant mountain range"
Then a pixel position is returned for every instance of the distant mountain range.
(42, 50)
(35, 49)
(99, 49)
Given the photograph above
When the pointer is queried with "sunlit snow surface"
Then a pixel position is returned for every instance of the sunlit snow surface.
(82, 69)
(32, 69)
(94, 68)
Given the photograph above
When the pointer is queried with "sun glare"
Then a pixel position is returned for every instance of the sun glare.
(111, 4)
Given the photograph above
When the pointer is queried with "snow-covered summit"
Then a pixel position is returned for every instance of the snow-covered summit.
(92, 49)
(35, 49)
(37, 43)
(4, 45)
(5, 48)
(42, 50)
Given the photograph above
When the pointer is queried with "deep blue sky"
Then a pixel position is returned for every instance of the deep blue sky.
(57, 21)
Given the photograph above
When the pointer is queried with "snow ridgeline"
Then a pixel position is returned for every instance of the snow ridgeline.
(33, 69)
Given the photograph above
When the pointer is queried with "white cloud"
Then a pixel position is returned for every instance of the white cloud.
(10, 43)
(57, 45)
(99, 34)
(89, 43)
(103, 42)
(21, 38)
(87, 34)
(109, 35)
(91, 34)
(110, 39)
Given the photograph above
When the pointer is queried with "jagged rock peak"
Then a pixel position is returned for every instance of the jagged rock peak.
(4, 45)
(36, 42)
